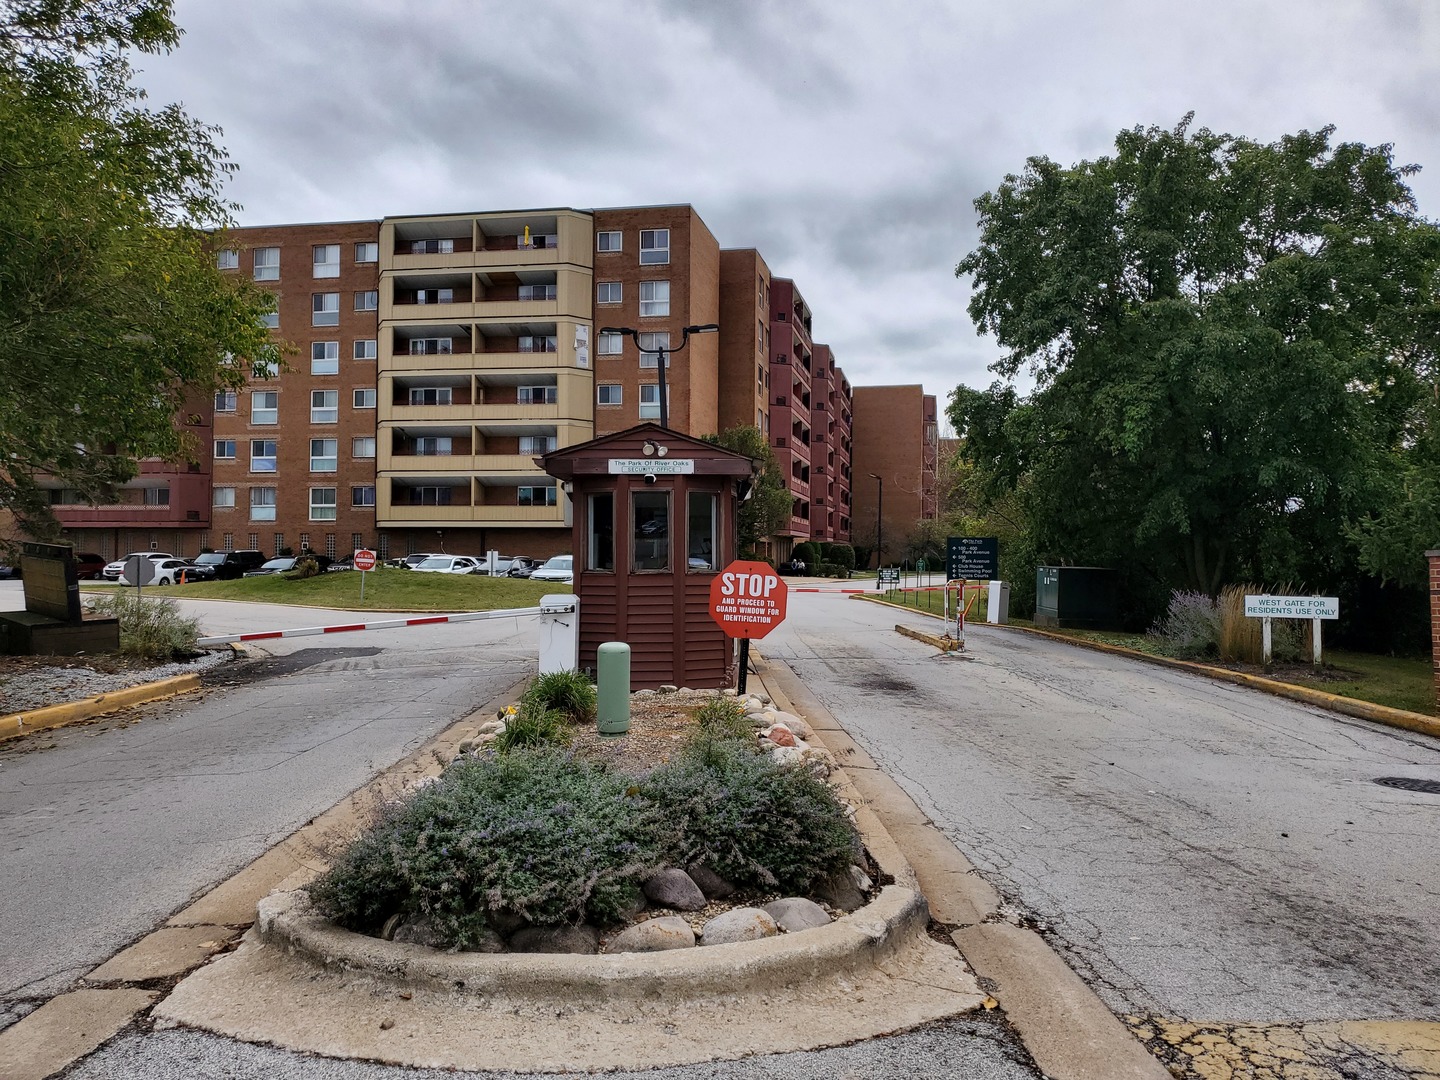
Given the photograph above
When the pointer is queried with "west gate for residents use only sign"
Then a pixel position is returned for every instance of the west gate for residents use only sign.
(1292, 607)
(747, 599)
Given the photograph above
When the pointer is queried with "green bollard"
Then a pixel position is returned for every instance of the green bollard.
(612, 687)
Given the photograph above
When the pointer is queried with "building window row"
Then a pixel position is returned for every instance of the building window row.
(325, 260)
(654, 246)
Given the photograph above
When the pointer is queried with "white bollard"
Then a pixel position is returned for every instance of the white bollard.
(997, 609)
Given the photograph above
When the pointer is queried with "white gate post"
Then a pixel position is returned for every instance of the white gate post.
(1265, 641)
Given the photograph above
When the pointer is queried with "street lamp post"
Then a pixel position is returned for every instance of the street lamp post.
(879, 520)
(685, 332)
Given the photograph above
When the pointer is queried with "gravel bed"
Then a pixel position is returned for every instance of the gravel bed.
(37, 687)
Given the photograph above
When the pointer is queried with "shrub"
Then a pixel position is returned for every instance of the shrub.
(1190, 627)
(750, 820)
(842, 555)
(150, 628)
(569, 692)
(534, 725)
(1241, 637)
(724, 717)
(305, 567)
(807, 553)
(537, 834)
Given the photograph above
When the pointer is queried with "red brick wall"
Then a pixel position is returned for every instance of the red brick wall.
(1434, 557)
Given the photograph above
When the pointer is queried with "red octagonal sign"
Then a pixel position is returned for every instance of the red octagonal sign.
(748, 599)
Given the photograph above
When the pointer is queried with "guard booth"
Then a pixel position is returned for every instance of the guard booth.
(653, 522)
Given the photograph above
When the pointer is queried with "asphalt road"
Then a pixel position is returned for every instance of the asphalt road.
(1195, 849)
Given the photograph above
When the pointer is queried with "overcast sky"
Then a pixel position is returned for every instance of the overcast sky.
(846, 139)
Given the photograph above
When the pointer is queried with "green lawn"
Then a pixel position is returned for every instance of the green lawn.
(385, 590)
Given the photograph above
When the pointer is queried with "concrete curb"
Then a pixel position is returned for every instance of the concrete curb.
(15, 725)
(1353, 707)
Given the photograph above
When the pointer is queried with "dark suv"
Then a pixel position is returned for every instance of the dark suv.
(231, 564)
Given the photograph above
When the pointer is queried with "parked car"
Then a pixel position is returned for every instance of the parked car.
(274, 566)
(231, 564)
(503, 563)
(112, 571)
(192, 572)
(8, 571)
(521, 566)
(167, 572)
(408, 562)
(347, 563)
(561, 568)
(449, 564)
(88, 565)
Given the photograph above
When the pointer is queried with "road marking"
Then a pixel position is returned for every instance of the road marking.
(1326, 1050)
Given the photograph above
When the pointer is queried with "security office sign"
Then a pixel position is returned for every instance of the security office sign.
(652, 466)
(972, 558)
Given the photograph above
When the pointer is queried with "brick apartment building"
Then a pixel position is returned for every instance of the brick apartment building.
(430, 359)
(896, 438)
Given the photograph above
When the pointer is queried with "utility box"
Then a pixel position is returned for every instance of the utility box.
(654, 523)
(997, 607)
(1076, 597)
(559, 633)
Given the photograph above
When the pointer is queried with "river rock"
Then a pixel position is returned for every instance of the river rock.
(796, 724)
(654, 935)
(795, 913)
(556, 939)
(785, 755)
(421, 930)
(711, 884)
(780, 735)
(674, 888)
(742, 924)
(487, 941)
(840, 890)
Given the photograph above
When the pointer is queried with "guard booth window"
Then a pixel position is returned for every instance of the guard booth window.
(700, 532)
(650, 545)
(602, 533)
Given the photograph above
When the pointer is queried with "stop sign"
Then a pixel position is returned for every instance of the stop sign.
(364, 559)
(748, 599)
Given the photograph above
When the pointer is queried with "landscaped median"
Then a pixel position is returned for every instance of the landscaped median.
(1361, 710)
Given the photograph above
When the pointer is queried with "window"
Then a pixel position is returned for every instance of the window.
(537, 444)
(760, 376)
(265, 407)
(327, 260)
(223, 498)
(262, 455)
(367, 300)
(537, 292)
(760, 335)
(650, 346)
(364, 399)
(266, 364)
(322, 504)
(538, 343)
(158, 496)
(325, 309)
(537, 395)
(363, 446)
(254, 541)
(429, 346)
(362, 495)
(535, 496)
(650, 401)
(436, 296)
(430, 496)
(227, 259)
(226, 401)
(432, 247)
(607, 241)
(323, 454)
(270, 320)
(367, 253)
(357, 541)
(608, 394)
(325, 358)
(654, 246)
(611, 343)
(262, 506)
(267, 264)
(650, 536)
(430, 395)
(433, 446)
(600, 550)
(364, 349)
(382, 547)
(304, 542)
(608, 292)
(330, 545)
(654, 298)
(225, 449)
(700, 532)
(324, 406)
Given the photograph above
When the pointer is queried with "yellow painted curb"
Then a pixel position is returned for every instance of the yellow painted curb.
(1361, 710)
(14, 725)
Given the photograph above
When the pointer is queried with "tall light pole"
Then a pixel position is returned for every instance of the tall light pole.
(879, 520)
(685, 332)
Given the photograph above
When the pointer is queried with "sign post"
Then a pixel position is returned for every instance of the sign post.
(364, 560)
(1314, 608)
(747, 600)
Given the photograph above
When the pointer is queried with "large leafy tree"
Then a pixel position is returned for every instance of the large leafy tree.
(112, 313)
(767, 510)
(1228, 347)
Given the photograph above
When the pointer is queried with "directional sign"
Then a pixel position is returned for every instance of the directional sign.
(748, 599)
(972, 558)
(364, 559)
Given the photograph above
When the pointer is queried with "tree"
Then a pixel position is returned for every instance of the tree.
(1226, 338)
(767, 510)
(112, 312)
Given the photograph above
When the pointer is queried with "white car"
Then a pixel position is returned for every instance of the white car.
(561, 568)
(449, 564)
(167, 572)
(114, 570)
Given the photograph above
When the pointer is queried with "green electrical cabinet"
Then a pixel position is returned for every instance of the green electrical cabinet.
(1076, 598)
